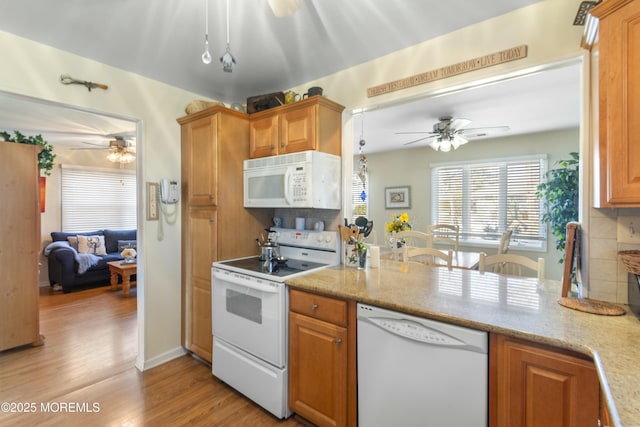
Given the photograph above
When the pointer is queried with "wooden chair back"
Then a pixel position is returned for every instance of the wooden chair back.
(412, 239)
(430, 256)
(511, 264)
(445, 233)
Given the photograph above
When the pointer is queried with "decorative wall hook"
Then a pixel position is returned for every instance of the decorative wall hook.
(66, 79)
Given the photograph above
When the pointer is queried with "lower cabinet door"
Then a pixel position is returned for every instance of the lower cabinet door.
(537, 386)
(318, 370)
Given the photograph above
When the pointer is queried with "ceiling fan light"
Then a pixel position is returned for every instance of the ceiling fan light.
(445, 146)
(457, 141)
(435, 144)
(121, 156)
(282, 8)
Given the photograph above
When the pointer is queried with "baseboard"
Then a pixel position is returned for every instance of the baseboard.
(143, 365)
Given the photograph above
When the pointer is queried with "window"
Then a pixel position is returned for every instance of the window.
(485, 199)
(359, 207)
(94, 199)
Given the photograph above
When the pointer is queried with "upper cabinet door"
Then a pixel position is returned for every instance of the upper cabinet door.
(619, 103)
(263, 137)
(202, 153)
(298, 130)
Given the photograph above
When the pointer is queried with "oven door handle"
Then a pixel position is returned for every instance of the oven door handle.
(239, 280)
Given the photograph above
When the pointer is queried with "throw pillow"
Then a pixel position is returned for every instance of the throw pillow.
(73, 242)
(126, 244)
(91, 245)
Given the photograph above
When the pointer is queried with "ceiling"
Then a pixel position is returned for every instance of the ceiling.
(165, 41)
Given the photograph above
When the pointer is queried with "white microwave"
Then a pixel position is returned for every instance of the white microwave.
(308, 179)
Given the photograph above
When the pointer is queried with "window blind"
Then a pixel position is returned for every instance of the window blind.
(94, 199)
(359, 207)
(485, 199)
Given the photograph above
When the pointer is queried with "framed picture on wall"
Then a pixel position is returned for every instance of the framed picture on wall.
(397, 197)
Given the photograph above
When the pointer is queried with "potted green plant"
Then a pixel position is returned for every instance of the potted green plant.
(560, 193)
(46, 156)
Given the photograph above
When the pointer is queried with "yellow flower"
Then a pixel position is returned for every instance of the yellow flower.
(399, 223)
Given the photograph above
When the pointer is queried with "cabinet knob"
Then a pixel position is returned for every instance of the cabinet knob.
(338, 341)
(273, 146)
(211, 196)
(211, 219)
(314, 307)
(282, 145)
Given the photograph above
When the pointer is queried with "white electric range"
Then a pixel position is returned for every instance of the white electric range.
(250, 320)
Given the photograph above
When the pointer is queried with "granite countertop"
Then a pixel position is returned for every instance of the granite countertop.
(515, 306)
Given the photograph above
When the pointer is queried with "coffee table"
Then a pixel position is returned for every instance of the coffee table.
(125, 270)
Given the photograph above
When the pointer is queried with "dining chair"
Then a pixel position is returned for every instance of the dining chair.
(414, 238)
(430, 256)
(511, 264)
(445, 233)
(411, 239)
(505, 240)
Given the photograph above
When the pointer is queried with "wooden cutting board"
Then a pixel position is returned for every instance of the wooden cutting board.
(572, 253)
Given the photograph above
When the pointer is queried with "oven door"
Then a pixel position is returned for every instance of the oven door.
(251, 314)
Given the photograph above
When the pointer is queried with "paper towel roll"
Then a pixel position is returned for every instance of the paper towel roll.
(374, 254)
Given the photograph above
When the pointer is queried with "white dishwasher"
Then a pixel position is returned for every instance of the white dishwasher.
(419, 372)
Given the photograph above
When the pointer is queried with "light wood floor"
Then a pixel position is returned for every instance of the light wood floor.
(88, 361)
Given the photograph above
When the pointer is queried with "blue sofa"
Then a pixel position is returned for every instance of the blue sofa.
(63, 265)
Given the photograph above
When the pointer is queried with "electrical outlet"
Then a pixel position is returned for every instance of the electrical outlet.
(628, 229)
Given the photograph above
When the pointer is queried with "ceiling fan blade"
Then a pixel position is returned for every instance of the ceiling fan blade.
(412, 133)
(477, 132)
(457, 124)
(420, 139)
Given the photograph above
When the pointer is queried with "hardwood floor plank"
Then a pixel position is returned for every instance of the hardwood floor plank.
(87, 363)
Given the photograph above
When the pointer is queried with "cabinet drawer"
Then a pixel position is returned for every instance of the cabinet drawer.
(319, 307)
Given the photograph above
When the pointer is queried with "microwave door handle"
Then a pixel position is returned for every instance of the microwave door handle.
(287, 181)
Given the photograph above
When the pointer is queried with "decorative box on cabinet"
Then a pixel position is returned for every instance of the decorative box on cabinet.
(322, 359)
(312, 124)
(536, 385)
(618, 151)
(19, 245)
(215, 224)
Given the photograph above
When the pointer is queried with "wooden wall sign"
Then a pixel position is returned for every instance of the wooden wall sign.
(474, 64)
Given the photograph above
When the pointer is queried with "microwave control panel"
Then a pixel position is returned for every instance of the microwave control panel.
(299, 185)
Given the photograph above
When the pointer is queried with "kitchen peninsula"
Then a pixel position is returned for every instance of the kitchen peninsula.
(514, 307)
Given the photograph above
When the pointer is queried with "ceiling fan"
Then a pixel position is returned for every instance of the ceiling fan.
(120, 150)
(452, 133)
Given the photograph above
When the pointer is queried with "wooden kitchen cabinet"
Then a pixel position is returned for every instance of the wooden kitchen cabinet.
(19, 245)
(322, 359)
(534, 385)
(215, 224)
(312, 124)
(618, 150)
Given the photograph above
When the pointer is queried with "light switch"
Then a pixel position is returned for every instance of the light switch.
(628, 229)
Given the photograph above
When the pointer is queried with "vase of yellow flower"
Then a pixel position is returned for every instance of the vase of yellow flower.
(398, 223)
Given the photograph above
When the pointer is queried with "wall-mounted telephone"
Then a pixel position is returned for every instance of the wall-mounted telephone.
(169, 191)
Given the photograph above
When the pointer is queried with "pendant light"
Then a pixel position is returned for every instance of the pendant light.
(362, 172)
(227, 58)
(206, 56)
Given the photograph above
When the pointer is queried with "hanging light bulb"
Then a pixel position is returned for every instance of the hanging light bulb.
(227, 58)
(206, 56)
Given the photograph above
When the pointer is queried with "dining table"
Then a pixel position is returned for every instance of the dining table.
(459, 259)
